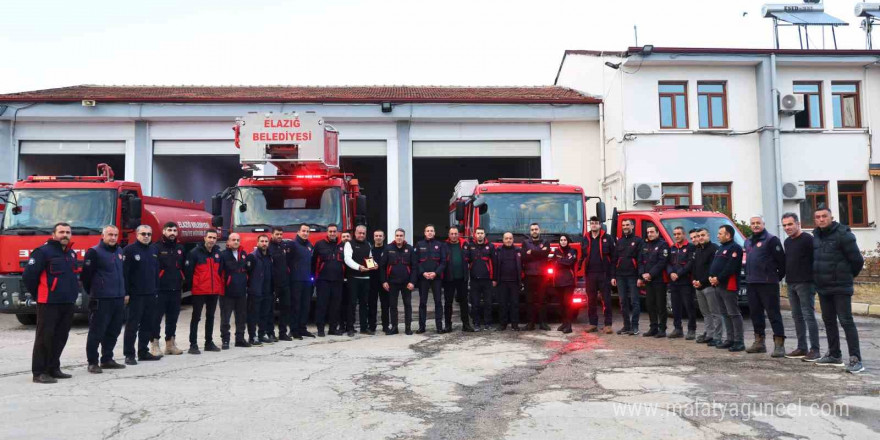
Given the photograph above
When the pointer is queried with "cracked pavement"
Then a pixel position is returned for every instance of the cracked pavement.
(453, 386)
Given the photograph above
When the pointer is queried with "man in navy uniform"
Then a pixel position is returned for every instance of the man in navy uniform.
(171, 261)
(259, 295)
(724, 276)
(141, 267)
(624, 276)
(398, 276)
(653, 277)
(102, 278)
(481, 268)
(680, 268)
(509, 276)
(535, 252)
(329, 269)
(597, 248)
(765, 268)
(431, 256)
(234, 299)
(301, 282)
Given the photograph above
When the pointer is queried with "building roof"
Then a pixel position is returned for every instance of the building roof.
(311, 94)
(633, 50)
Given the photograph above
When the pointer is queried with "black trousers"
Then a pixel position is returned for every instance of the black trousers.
(106, 317)
(683, 301)
(167, 305)
(139, 324)
(301, 302)
(343, 307)
(399, 290)
(481, 301)
(255, 316)
(358, 293)
(568, 310)
(655, 302)
(199, 302)
(435, 286)
(327, 305)
(508, 302)
(536, 296)
(228, 306)
(839, 308)
(597, 283)
(765, 298)
(378, 296)
(267, 314)
(53, 328)
(456, 290)
(282, 294)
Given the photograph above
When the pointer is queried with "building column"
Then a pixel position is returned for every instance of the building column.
(393, 197)
(7, 152)
(771, 205)
(404, 179)
(139, 157)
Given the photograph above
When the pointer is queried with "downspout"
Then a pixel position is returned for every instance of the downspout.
(777, 148)
(602, 147)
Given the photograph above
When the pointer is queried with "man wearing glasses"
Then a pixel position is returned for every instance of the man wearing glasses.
(141, 269)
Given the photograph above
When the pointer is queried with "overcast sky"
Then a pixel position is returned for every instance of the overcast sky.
(49, 44)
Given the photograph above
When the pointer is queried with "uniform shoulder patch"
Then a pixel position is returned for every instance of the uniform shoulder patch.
(31, 261)
(137, 257)
(733, 255)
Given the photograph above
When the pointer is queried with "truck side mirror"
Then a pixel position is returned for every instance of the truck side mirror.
(600, 211)
(459, 211)
(242, 207)
(217, 221)
(217, 205)
(134, 211)
(361, 207)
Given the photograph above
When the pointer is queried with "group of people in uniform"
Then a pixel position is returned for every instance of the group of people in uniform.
(141, 284)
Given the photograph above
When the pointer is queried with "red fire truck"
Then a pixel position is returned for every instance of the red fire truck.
(513, 204)
(87, 203)
(307, 188)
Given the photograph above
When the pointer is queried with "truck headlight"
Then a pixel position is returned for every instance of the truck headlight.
(5, 295)
(2, 286)
(5, 302)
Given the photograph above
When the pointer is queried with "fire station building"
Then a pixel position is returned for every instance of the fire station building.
(408, 146)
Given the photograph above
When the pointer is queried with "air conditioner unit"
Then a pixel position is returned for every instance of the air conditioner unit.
(793, 191)
(791, 104)
(647, 192)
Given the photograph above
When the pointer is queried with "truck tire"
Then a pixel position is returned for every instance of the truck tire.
(26, 319)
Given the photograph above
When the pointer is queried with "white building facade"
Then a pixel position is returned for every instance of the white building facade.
(704, 127)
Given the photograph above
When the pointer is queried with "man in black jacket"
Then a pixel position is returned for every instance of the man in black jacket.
(509, 263)
(724, 276)
(171, 260)
(801, 291)
(480, 256)
(397, 273)
(259, 313)
(103, 280)
(535, 251)
(653, 277)
(624, 276)
(234, 299)
(329, 270)
(431, 255)
(141, 267)
(278, 249)
(708, 296)
(598, 249)
(377, 293)
(765, 268)
(836, 262)
(50, 274)
(680, 268)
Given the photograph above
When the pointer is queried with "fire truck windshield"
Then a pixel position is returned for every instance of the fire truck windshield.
(42, 208)
(710, 223)
(288, 206)
(514, 212)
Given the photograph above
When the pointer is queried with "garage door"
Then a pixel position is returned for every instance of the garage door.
(363, 148)
(210, 166)
(476, 149)
(72, 147)
(194, 148)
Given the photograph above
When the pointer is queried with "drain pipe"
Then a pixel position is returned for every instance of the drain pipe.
(777, 147)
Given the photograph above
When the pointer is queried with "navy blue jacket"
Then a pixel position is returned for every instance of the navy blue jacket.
(235, 273)
(398, 264)
(606, 252)
(259, 268)
(625, 257)
(481, 260)
(564, 267)
(431, 255)
(280, 271)
(509, 264)
(765, 259)
(172, 258)
(537, 260)
(327, 260)
(681, 262)
(726, 266)
(102, 273)
(652, 260)
(377, 252)
(51, 274)
(299, 259)
(141, 268)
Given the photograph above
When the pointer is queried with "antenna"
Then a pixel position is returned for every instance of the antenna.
(636, 33)
(803, 16)
(870, 13)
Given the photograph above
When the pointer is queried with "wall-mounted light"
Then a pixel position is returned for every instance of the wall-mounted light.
(647, 49)
(386, 107)
(614, 66)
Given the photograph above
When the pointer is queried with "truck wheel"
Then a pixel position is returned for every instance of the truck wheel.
(26, 319)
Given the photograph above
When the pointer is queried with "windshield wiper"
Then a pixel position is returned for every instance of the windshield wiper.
(256, 225)
(87, 230)
(44, 230)
(314, 226)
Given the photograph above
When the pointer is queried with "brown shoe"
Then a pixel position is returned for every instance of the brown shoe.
(796, 354)
(591, 329)
(607, 330)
